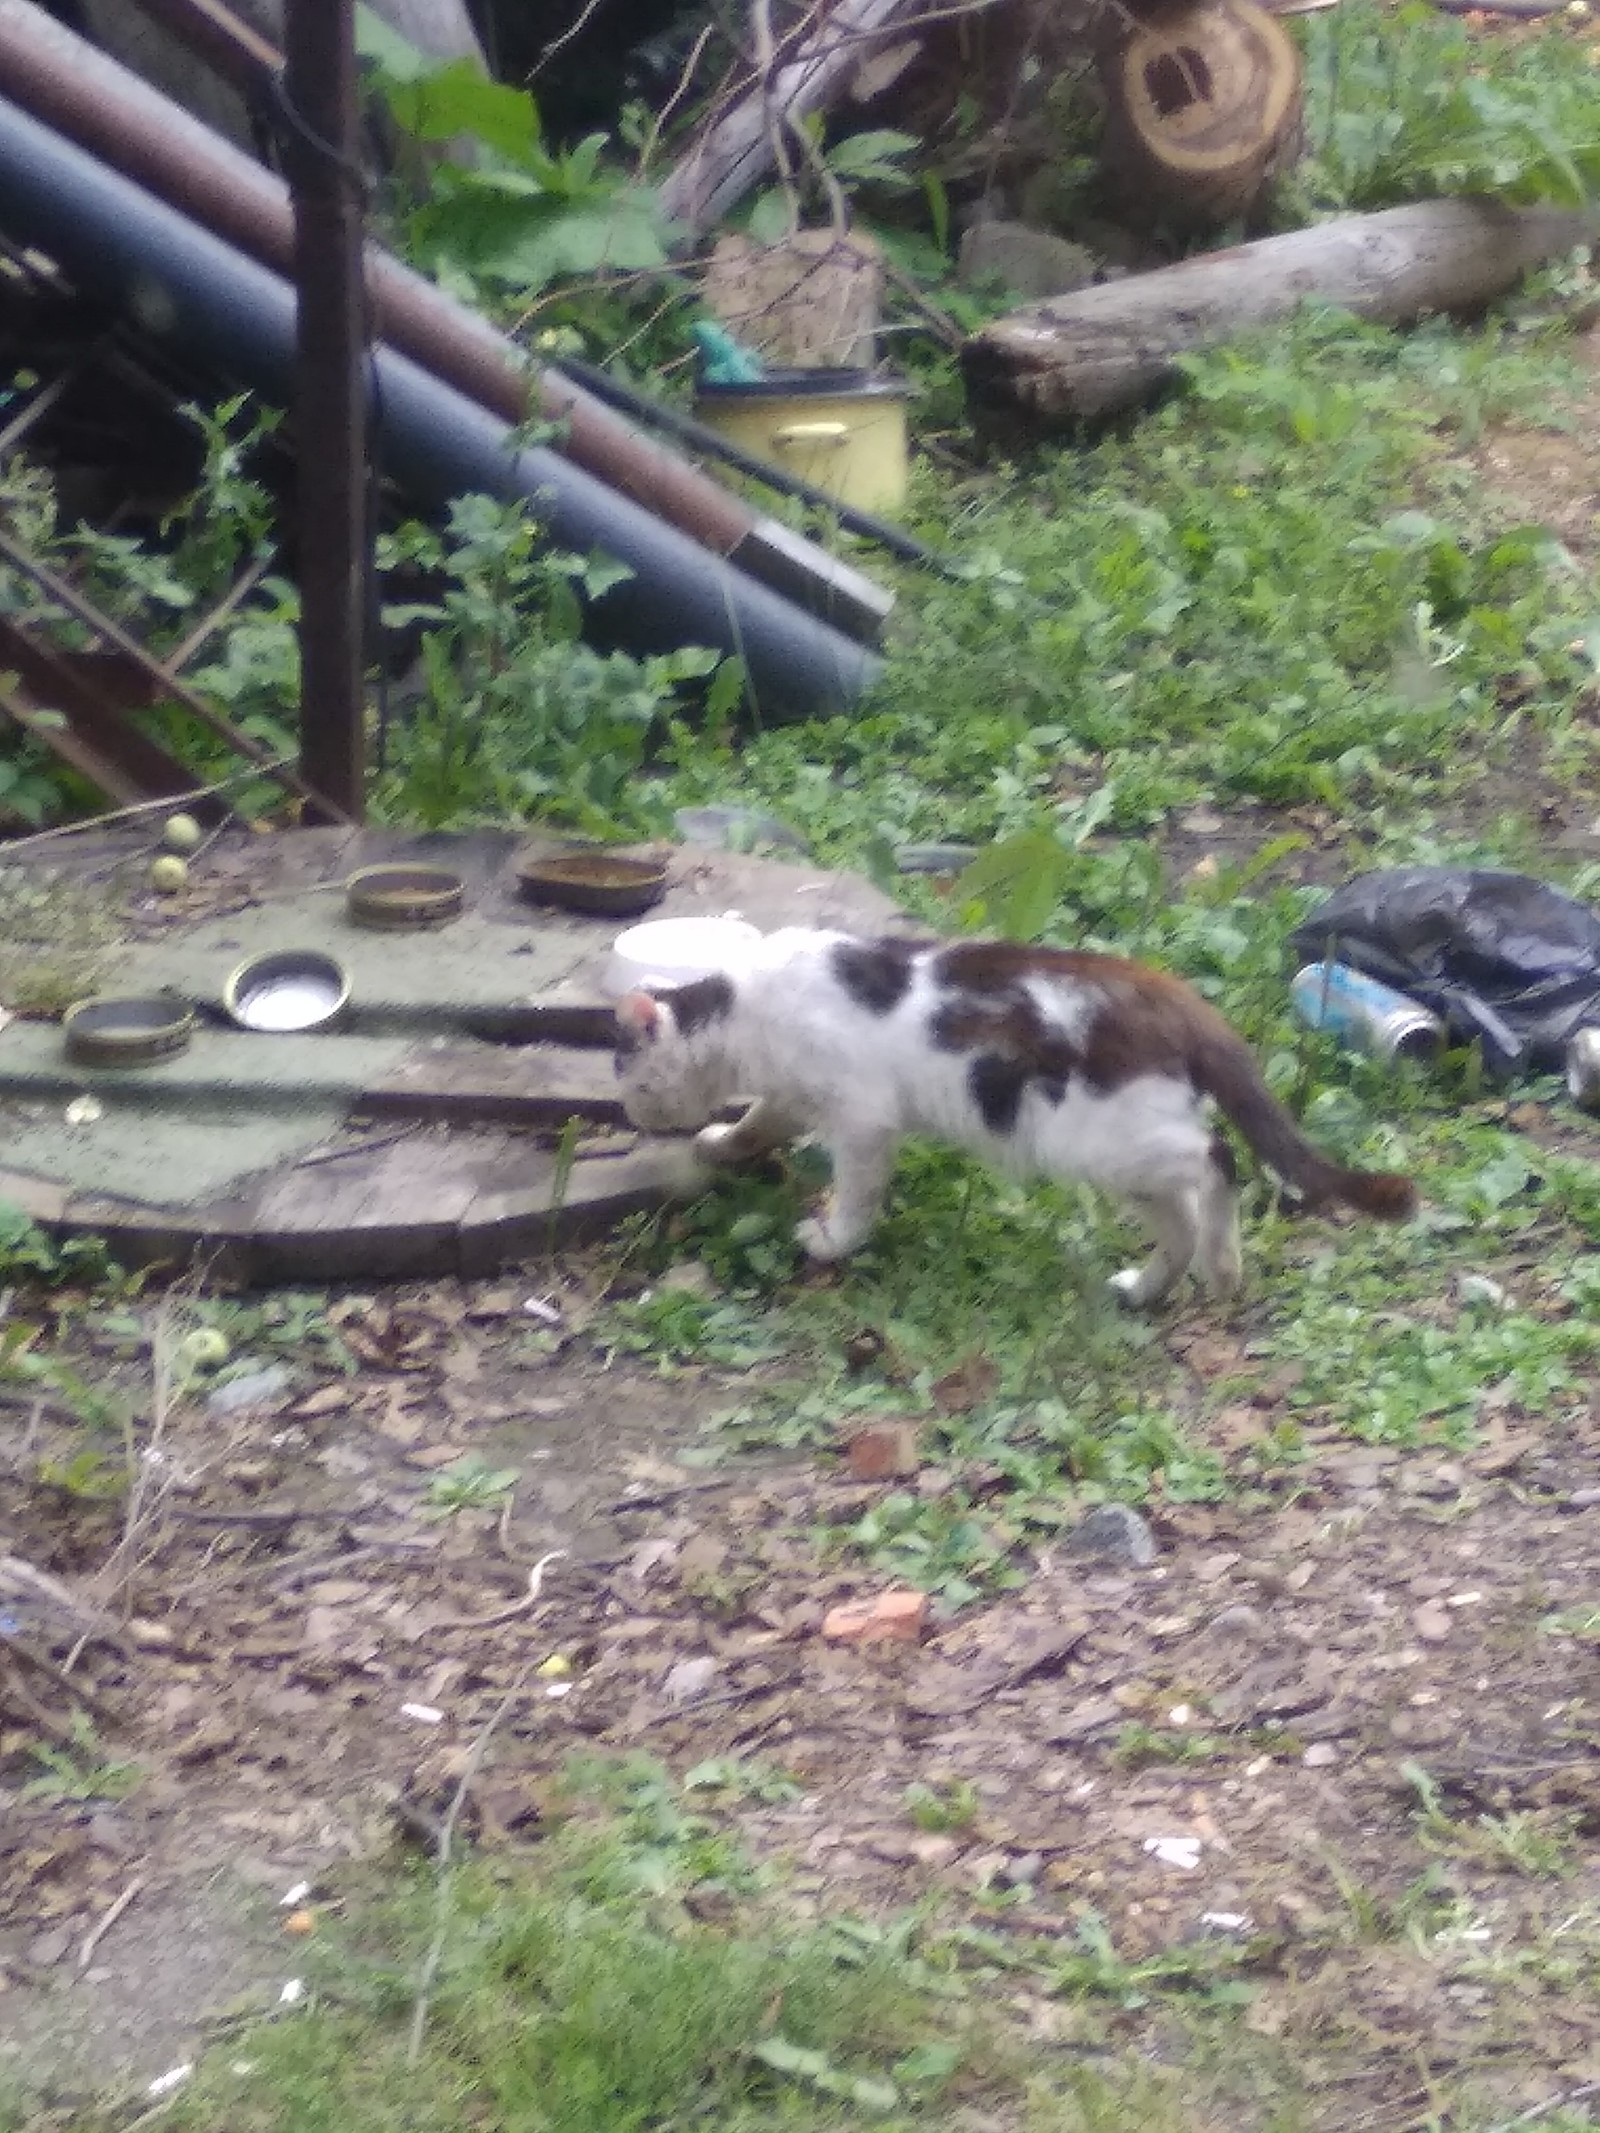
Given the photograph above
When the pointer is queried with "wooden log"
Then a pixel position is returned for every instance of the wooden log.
(1203, 106)
(1103, 349)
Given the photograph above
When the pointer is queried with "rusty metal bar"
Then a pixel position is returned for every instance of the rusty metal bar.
(39, 406)
(55, 699)
(227, 45)
(321, 152)
(208, 625)
(70, 85)
(166, 683)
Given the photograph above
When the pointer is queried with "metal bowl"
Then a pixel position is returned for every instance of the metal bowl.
(402, 898)
(127, 1030)
(289, 989)
(607, 883)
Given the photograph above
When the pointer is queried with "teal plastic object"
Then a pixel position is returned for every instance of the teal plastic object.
(723, 361)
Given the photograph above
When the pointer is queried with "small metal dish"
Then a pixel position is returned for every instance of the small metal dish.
(607, 883)
(400, 899)
(290, 989)
(127, 1030)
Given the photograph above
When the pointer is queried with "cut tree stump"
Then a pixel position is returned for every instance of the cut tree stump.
(1079, 357)
(812, 301)
(1203, 110)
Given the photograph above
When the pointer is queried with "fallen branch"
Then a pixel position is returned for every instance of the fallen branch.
(107, 1919)
(735, 153)
(1098, 350)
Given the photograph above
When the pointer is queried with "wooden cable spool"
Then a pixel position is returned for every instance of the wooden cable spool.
(1203, 112)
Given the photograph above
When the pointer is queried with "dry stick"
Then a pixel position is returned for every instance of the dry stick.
(143, 807)
(447, 1830)
(509, 1613)
(78, 1690)
(1551, 2103)
(97, 1933)
(680, 90)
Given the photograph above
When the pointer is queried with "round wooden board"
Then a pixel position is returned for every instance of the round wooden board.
(465, 1156)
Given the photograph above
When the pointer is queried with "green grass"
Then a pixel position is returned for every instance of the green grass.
(580, 1993)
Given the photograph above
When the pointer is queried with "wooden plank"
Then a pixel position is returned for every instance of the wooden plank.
(493, 1083)
(391, 1211)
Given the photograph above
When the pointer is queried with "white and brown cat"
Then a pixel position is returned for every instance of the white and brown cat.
(1042, 1060)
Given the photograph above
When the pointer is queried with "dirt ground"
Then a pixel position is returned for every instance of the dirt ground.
(1210, 1750)
(300, 1657)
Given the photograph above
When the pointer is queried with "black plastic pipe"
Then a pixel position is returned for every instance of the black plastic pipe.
(656, 414)
(187, 287)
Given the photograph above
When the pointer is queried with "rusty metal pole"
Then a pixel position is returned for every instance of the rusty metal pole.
(321, 155)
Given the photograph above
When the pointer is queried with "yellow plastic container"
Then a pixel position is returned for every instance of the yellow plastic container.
(841, 430)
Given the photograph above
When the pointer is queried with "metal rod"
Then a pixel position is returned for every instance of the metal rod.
(77, 89)
(321, 150)
(704, 438)
(166, 683)
(234, 317)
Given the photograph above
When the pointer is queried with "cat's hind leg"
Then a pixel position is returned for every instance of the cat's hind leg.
(1175, 1218)
(861, 1170)
(742, 1140)
(1219, 1258)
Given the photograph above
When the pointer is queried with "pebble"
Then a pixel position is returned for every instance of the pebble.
(1241, 1620)
(1114, 1533)
(1583, 1500)
(1431, 1623)
(1320, 1755)
(735, 828)
(688, 1679)
(254, 1389)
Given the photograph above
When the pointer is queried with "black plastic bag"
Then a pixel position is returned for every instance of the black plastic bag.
(1498, 956)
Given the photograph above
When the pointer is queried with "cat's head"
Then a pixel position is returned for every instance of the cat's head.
(671, 1070)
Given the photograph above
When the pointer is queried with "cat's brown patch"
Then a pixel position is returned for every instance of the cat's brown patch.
(701, 1001)
(876, 974)
(1144, 1022)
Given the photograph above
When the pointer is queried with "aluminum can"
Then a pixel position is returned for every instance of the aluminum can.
(1365, 1015)
(1583, 1068)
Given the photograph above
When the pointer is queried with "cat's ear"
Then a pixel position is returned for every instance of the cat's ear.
(640, 1014)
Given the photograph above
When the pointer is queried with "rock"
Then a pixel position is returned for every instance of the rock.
(1114, 1533)
(688, 1679)
(1240, 1620)
(1321, 1755)
(1431, 1622)
(892, 1618)
(932, 1848)
(254, 1389)
(735, 829)
(1026, 262)
(49, 1946)
(1583, 1500)
(882, 1451)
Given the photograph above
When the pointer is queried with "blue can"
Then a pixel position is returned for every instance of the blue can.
(1366, 1016)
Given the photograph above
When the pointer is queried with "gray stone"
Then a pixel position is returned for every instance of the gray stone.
(1114, 1533)
(688, 1679)
(1029, 263)
(254, 1389)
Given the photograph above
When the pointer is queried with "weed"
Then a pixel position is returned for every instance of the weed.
(519, 718)
(79, 1770)
(467, 1484)
(939, 1808)
(1139, 1747)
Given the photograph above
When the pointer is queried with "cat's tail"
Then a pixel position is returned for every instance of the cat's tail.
(1227, 1071)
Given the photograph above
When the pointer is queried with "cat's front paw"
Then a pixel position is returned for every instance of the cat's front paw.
(719, 1144)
